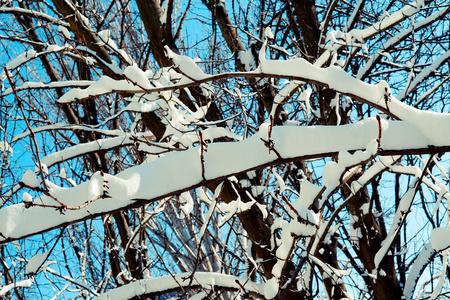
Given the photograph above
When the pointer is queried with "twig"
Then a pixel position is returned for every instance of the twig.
(203, 148)
(299, 218)
(379, 132)
(270, 143)
(32, 135)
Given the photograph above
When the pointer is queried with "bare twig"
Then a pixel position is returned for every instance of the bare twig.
(32, 135)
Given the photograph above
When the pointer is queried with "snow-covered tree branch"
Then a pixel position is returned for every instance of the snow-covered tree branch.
(224, 149)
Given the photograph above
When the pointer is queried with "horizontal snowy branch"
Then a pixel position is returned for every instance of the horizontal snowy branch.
(377, 95)
(294, 69)
(182, 171)
(33, 13)
(165, 284)
(51, 85)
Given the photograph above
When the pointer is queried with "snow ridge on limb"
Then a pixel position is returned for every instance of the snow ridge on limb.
(182, 171)
(334, 172)
(377, 95)
(30, 85)
(33, 13)
(168, 283)
(23, 283)
(440, 239)
(26, 57)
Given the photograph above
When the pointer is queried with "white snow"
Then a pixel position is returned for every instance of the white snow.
(280, 182)
(284, 94)
(235, 206)
(22, 283)
(62, 173)
(257, 190)
(5, 8)
(365, 208)
(103, 86)
(308, 193)
(41, 168)
(26, 197)
(21, 59)
(35, 263)
(182, 171)
(268, 33)
(271, 288)
(65, 32)
(440, 239)
(163, 18)
(305, 96)
(186, 65)
(83, 18)
(104, 35)
(5, 147)
(402, 210)
(211, 209)
(30, 179)
(422, 75)
(430, 124)
(137, 76)
(442, 191)
(418, 266)
(334, 171)
(443, 276)
(166, 283)
(360, 35)
(178, 172)
(187, 204)
(247, 59)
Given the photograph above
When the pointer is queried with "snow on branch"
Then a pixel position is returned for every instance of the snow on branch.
(51, 85)
(33, 13)
(21, 284)
(400, 215)
(166, 284)
(420, 263)
(396, 39)
(377, 95)
(26, 57)
(189, 132)
(361, 35)
(82, 149)
(182, 171)
(440, 239)
(419, 78)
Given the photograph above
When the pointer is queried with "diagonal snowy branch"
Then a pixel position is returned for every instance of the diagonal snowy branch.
(395, 40)
(369, 32)
(420, 263)
(419, 78)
